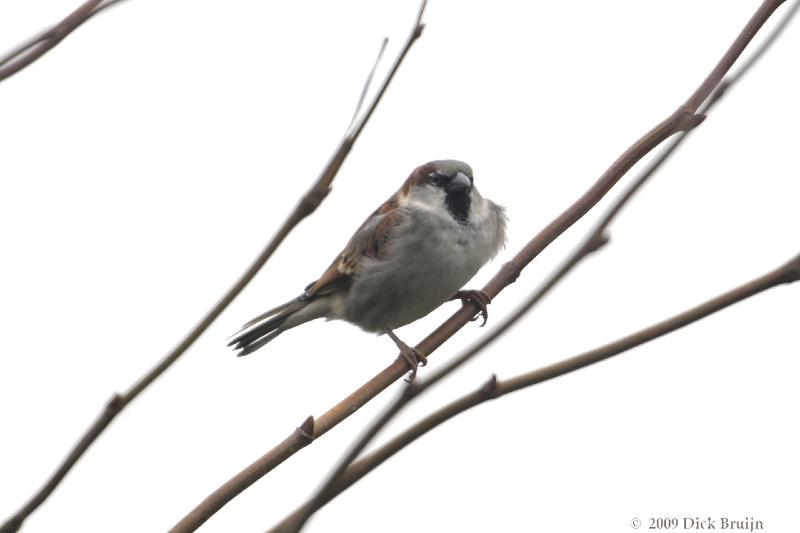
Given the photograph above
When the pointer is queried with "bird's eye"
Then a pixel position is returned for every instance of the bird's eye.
(437, 179)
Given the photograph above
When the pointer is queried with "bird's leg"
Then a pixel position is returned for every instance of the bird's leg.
(479, 298)
(412, 356)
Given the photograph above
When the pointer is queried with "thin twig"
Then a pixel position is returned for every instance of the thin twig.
(682, 119)
(365, 90)
(595, 239)
(29, 51)
(307, 205)
(788, 273)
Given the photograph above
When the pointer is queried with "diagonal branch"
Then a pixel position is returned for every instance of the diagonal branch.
(788, 273)
(29, 51)
(307, 205)
(594, 240)
(682, 119)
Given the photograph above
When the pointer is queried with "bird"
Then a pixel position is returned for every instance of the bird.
(411, 255)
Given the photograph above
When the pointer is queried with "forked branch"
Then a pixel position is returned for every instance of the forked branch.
(307, 205)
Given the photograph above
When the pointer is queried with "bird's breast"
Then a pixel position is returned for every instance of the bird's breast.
(430, 257)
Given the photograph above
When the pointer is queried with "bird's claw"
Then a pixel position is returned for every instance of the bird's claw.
(479, 298)
(414, 359)
(412, 356)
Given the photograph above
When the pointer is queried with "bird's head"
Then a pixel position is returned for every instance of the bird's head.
(446, 181)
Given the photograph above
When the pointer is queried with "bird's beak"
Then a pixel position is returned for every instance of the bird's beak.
(460, 184)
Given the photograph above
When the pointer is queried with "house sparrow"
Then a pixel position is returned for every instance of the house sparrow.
(410, 256)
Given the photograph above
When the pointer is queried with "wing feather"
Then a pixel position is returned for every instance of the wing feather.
(369, 241)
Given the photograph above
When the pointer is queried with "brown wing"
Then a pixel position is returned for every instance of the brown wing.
(369, 241)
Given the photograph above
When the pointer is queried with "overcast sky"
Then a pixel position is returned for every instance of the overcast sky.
(147, 159)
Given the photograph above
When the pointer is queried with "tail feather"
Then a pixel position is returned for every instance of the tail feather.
(273, 311)
(253, 346)
(265, 327)
(250, 334)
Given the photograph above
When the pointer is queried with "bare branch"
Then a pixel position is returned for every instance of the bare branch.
(307, 205)
(682, 119)
(35, 47)
(493, 388)
(367, 83)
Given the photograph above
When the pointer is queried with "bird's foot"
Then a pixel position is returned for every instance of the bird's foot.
(413, 357)
(479, 298)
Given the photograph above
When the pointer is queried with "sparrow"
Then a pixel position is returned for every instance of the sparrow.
(411, 255)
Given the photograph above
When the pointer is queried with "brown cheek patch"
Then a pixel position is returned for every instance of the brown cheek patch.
(420, 174)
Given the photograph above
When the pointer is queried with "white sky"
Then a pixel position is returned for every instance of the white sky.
(147, 159)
